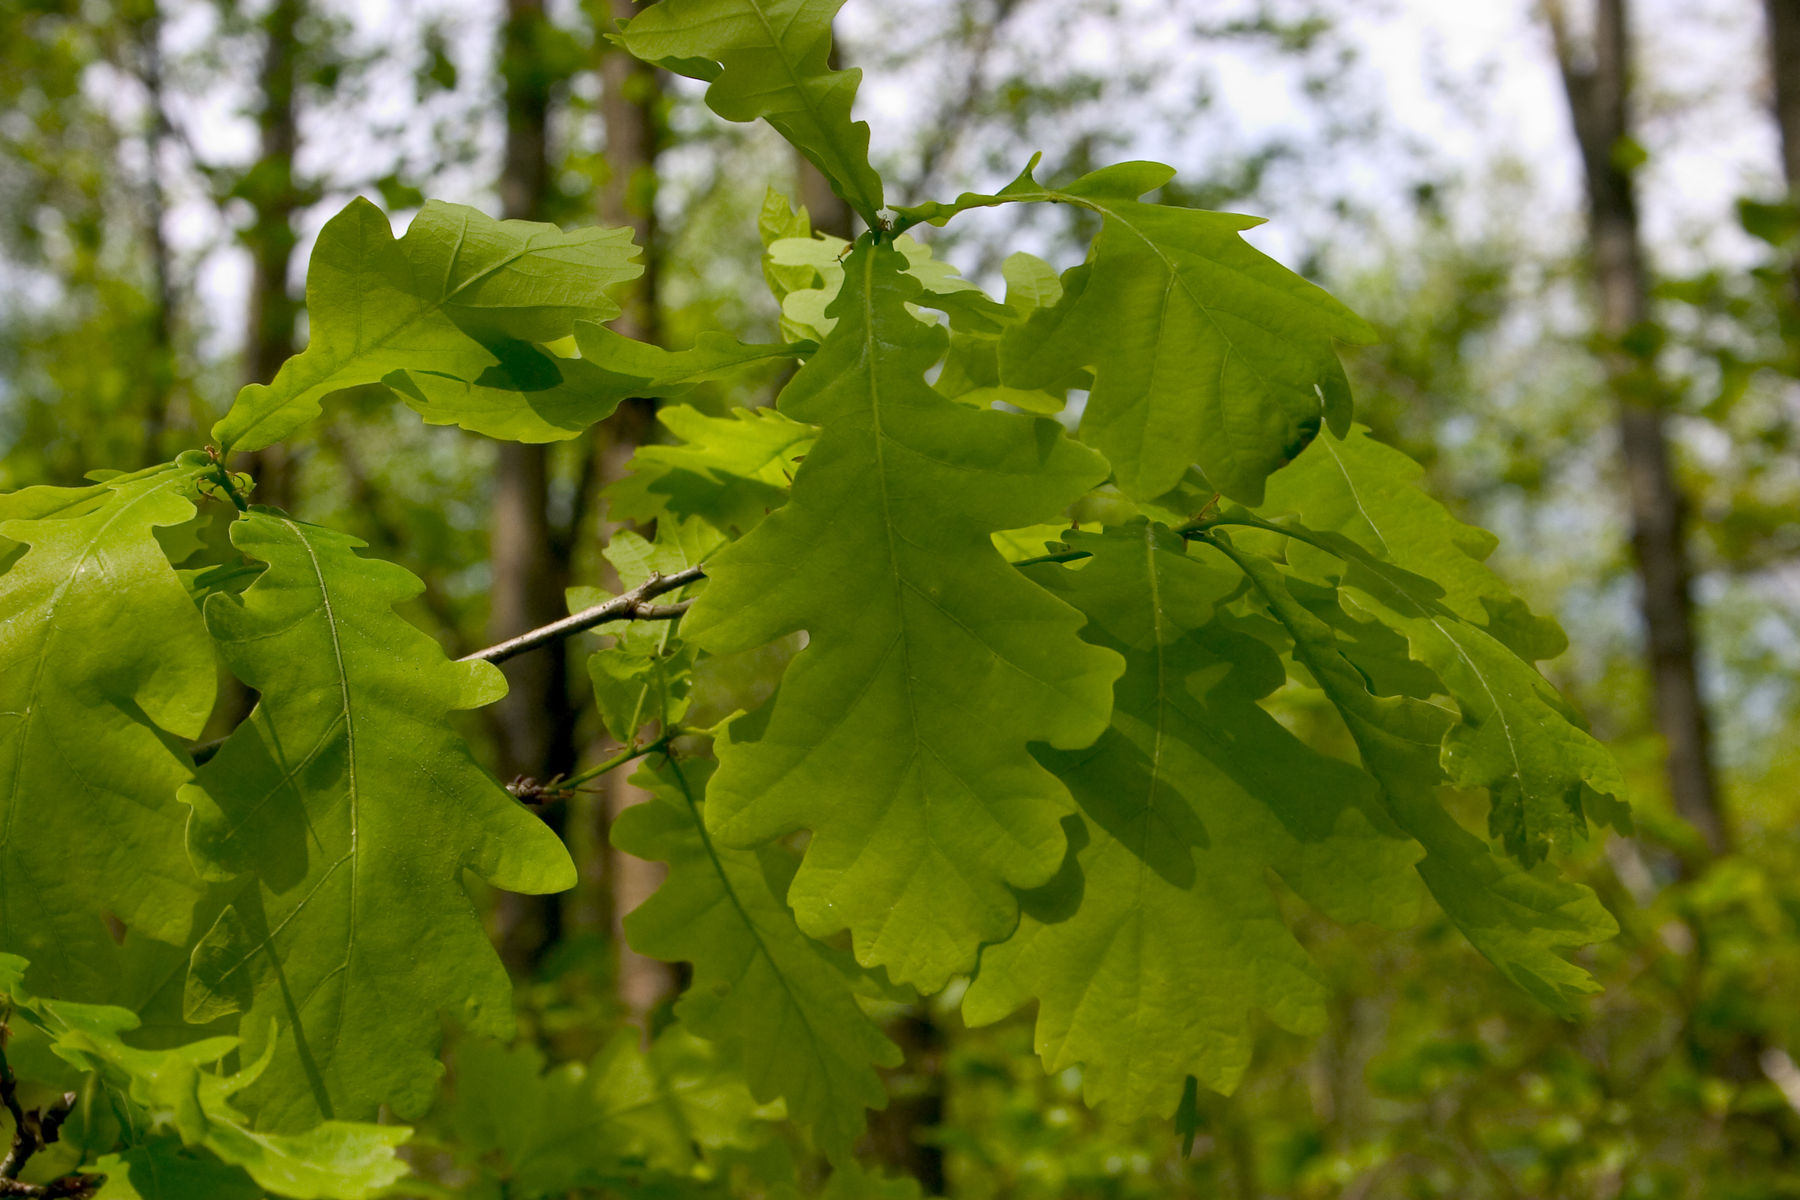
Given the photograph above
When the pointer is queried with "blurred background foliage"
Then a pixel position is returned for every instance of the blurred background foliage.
(165, 163)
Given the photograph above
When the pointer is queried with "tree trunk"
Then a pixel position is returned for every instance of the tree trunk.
(161, 369)
(1596, 81)
(536, 722)
(1784, 79)
(827, 209)
(273, 312)
(829, 213)
(630, 99)
(900, 1134)
(1784, 54)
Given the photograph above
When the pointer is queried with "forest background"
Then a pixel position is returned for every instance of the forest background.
(1573, 224)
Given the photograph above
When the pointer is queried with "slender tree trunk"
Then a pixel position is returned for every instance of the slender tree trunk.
(1784, 78)
(273, 312)
(631, 124)
(536, 721)
(899, 1135)
(827, 209)
(1784, 56)
(1596, 79)
(162, 366)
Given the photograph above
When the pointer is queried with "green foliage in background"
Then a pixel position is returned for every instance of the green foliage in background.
(1150, 719)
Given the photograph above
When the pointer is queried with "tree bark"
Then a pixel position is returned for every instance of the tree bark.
(535, 721)
(900, 1134)
(630, 103)
(829, 213)
(1784, 80)
(1784, 54)
(1596, 80)
(274, 313)
(161, 369)
(827, 209)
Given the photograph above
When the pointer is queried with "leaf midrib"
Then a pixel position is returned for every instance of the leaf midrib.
(350, 773)
(1506, 729)
(812, 111)
(762, 947)
(887, 513)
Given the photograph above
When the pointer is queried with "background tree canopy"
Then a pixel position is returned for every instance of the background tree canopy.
(1571, 230)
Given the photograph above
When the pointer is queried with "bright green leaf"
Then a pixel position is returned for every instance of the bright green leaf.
(1523, 921)
(780, 219)
(538, 1131)
(898, 736)
(820, 259)
(675, 1097)
(173, 1091)
(646, 674)
(633, 687)
(730, 472)
(457, 293)
(163, 1169)
(1205, 351)
(1517, 738)
(355, 810)
(102, 656)
(1370, 493)
(1151, 951)
(769, 59)
(779, 1003)
(972, 369)
(584, 1125)
(535, 396)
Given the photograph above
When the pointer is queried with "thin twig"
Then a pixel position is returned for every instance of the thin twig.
(24, 1140)
(632, 606)
(621, 758)
(32, 1132)
(222, 476)
(560, 787)
(75, 1186)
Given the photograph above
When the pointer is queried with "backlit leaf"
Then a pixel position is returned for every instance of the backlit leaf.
(769, 59)
(354, 810)
(461, 294)
(1523, 921)
(180, 1091)
(1205, 351)
(1517, 738)
(535, 396)
(102, 657)
(730, 472)
(781, 1005)
(1370, 493)
(545, 1132)
(899, 735)
(1152, 950)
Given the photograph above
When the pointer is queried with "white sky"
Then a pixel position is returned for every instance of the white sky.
(1465, 78)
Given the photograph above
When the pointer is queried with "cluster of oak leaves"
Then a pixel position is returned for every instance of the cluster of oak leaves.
(1023, 735)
